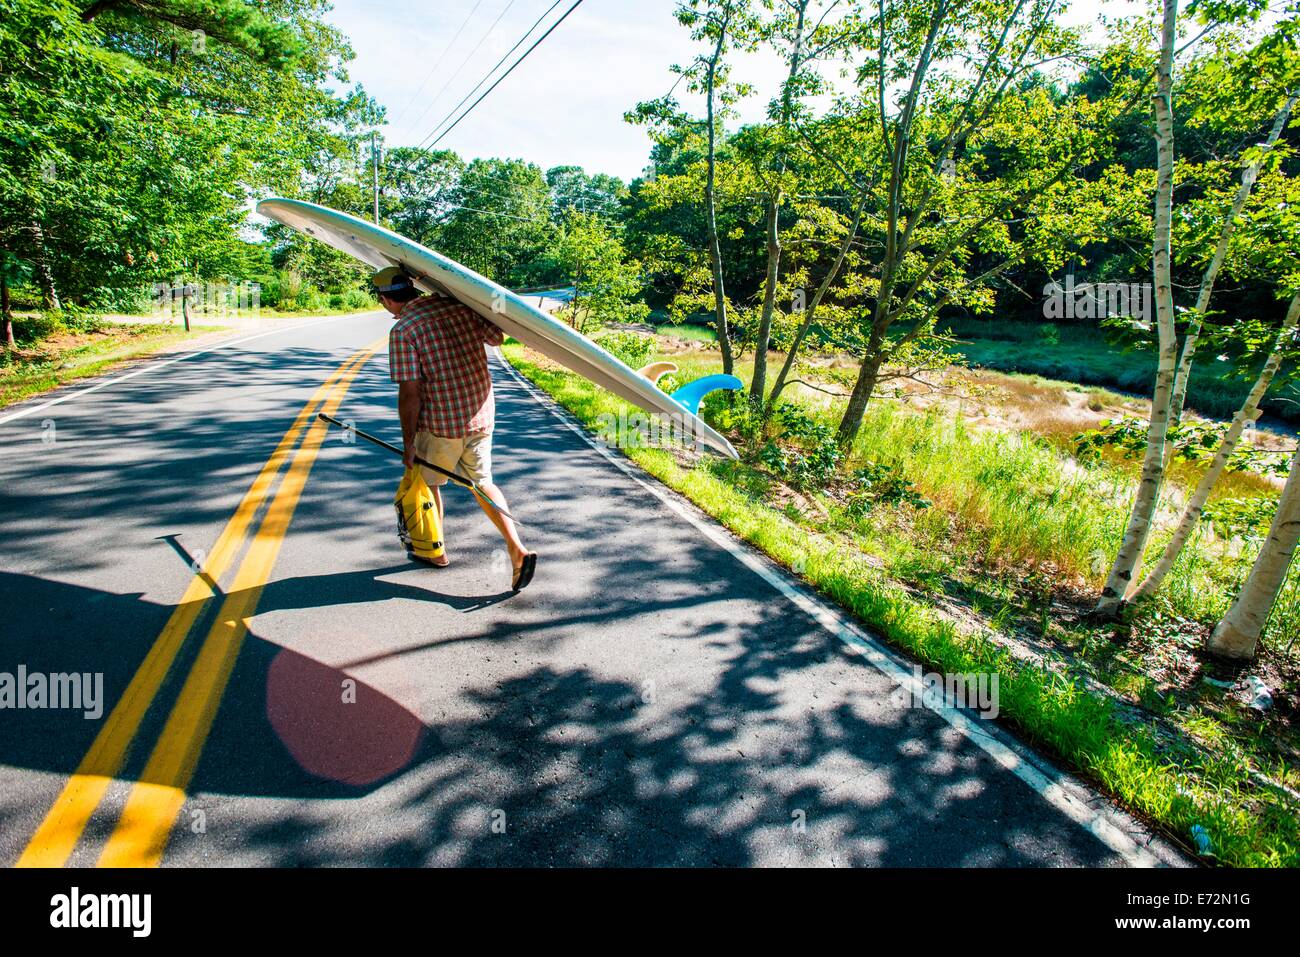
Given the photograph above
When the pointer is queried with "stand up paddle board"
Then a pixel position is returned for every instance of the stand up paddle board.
(435, 273)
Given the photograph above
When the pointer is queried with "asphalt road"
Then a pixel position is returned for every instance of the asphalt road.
(310, 697)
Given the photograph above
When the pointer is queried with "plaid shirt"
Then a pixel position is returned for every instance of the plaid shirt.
(439, 343)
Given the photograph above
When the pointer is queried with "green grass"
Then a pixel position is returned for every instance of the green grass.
(47, 363)
(691, 333)
(1011, 492)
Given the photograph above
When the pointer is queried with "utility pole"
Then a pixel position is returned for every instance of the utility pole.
(374, 170)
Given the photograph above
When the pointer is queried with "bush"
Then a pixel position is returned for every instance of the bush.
(358, 299)
(311, 300)
(631, 347)
(50, 322)
(1248, 517)
(879, 484)
(35, 328)
(811, 465)
(269, 292)
(728, 412)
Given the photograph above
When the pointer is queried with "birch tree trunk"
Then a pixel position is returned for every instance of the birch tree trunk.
(1237, 635)
(1245, 416)
(1147, 499)
(1248, 176)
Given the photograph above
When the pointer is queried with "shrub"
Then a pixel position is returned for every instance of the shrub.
(311, 300)
(269, 292)
(813, 463)
(631, 347)
(879, 484)
(290, 286)
(1247, 517)
(358, 299)
(727, 412)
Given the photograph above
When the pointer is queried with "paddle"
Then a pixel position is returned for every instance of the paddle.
(458, 479)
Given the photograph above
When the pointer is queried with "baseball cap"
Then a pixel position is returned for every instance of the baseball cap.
(391, 279)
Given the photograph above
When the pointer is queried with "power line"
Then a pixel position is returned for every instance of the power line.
(438, 62)
(521, 59)
(463, 64)
(495, 67)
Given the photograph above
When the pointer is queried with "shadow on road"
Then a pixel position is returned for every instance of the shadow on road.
(760, 739)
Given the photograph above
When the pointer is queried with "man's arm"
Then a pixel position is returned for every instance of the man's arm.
(408, 410)
(404, 368)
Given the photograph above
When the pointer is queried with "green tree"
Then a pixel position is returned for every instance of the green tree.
(723, 26)
(501, 224)
(132, 134)
(1172, 371)
(968, 144)
(800, 33)
(606, 284)
(573, 188)
(418, 192)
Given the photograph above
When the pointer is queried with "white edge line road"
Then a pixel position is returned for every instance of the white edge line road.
(1106, 824)
(151, 366)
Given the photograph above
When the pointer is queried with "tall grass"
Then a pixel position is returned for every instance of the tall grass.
(1021, 501)
(1015, 494)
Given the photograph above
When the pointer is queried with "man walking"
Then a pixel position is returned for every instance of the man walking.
(436, 355)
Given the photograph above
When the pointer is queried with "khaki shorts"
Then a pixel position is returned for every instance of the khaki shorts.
(467, 455)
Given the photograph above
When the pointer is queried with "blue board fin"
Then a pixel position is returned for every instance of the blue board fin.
(690, 395)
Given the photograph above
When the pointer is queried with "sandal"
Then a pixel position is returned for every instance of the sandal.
(524, 573)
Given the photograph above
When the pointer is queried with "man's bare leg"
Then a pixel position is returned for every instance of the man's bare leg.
(504, 525)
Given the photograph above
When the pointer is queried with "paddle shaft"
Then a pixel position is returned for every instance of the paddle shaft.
(458, 479)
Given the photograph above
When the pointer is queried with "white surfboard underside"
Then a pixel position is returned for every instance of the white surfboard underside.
(436, 273)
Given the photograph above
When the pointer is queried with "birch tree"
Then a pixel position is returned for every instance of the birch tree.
(1244, 418)
(1173, 370)
(1211, 274)
(1138, 529)
(1237, 635)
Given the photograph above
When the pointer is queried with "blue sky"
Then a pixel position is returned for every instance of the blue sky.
(565, 103)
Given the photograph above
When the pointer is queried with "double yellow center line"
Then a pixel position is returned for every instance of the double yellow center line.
(156, 800)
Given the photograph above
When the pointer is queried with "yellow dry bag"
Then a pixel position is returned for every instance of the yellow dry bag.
(418, 525)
